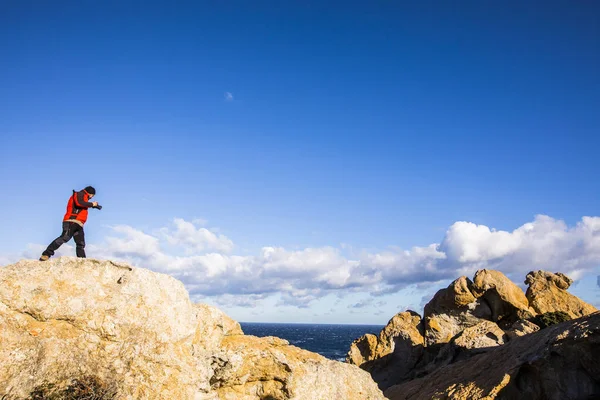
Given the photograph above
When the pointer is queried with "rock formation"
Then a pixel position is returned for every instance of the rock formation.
(506, 300)
(521, 328)
(559, 362)
(465, 320)
(451, 310)
(391, 356)
(69, 324)
(364, 349)
(547, 292)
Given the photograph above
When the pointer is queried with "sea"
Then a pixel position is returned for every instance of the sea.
(331, 341)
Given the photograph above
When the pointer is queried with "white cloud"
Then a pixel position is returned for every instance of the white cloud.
(544, 243)
(228, 96)
(195, 239)
(132, 243)
(201, 259)
(466, 242)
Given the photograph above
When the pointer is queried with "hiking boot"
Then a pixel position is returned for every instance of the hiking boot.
(44, 257)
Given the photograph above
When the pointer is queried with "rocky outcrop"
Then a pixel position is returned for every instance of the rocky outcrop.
(363, 349)
(505, 299)
(521, 328)
(391, 356)
(135, 334)
(269, 368)
(451, 310)
(484, 334)
(404, 327)
(474, 340)
(466, 320)
(547, 292)
(559, 362)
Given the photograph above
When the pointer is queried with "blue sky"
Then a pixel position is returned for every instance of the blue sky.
(337, 134)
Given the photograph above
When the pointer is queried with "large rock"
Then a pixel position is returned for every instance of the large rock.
(451, 310)
(67, 320)
(134, 334)
(559, 362)
(458, 294)
(252, 368)
(404, 327)
(363, 349)
(483, 335)
(390, 357)
(547, 292)
(471, 341)
(521, 328)
(506, 300)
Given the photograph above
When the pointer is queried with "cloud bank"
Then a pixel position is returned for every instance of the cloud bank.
(203, 259)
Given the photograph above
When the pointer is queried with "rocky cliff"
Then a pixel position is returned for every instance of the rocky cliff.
(556, 363)
(70, 326)
(488, 318)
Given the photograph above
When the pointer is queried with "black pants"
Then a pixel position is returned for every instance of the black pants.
(70, 230)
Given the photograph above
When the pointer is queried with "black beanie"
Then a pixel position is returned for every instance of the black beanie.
(90, 190)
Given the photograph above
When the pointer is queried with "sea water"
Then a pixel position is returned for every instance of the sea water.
(331, 341)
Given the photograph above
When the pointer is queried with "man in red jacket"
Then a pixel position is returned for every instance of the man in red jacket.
(72, 227)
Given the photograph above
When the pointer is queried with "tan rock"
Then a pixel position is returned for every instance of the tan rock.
(456, 295)
(362, 350)
(391, 356)
(213, 326)
(404, 327)
(559, 362)
(505, 299)
(269, 368)
(137, 334)
(547, 292)
(471, 341)
(66, 318)
(484, 334)
(521, 328)
(451, 310)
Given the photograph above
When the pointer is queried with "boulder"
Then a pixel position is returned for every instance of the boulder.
(547, 292)
(68, 320)
(506, 300)
(403, 327)
(559, 362)
(362, 350)
(483, 335)
(69, 325)
(521, 328)
(451, 310)
(390, 357)
(252, 368)
(471, 341)
(458, 294)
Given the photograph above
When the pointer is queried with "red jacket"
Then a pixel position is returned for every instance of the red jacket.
(77, 207)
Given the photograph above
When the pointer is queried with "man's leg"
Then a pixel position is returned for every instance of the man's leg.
(79, 238)
(64, 237)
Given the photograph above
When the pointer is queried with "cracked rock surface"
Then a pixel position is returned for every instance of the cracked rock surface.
(137, 332)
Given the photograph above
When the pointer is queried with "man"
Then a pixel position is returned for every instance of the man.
(72, 227)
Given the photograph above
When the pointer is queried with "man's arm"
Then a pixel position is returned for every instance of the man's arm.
(81, 203)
